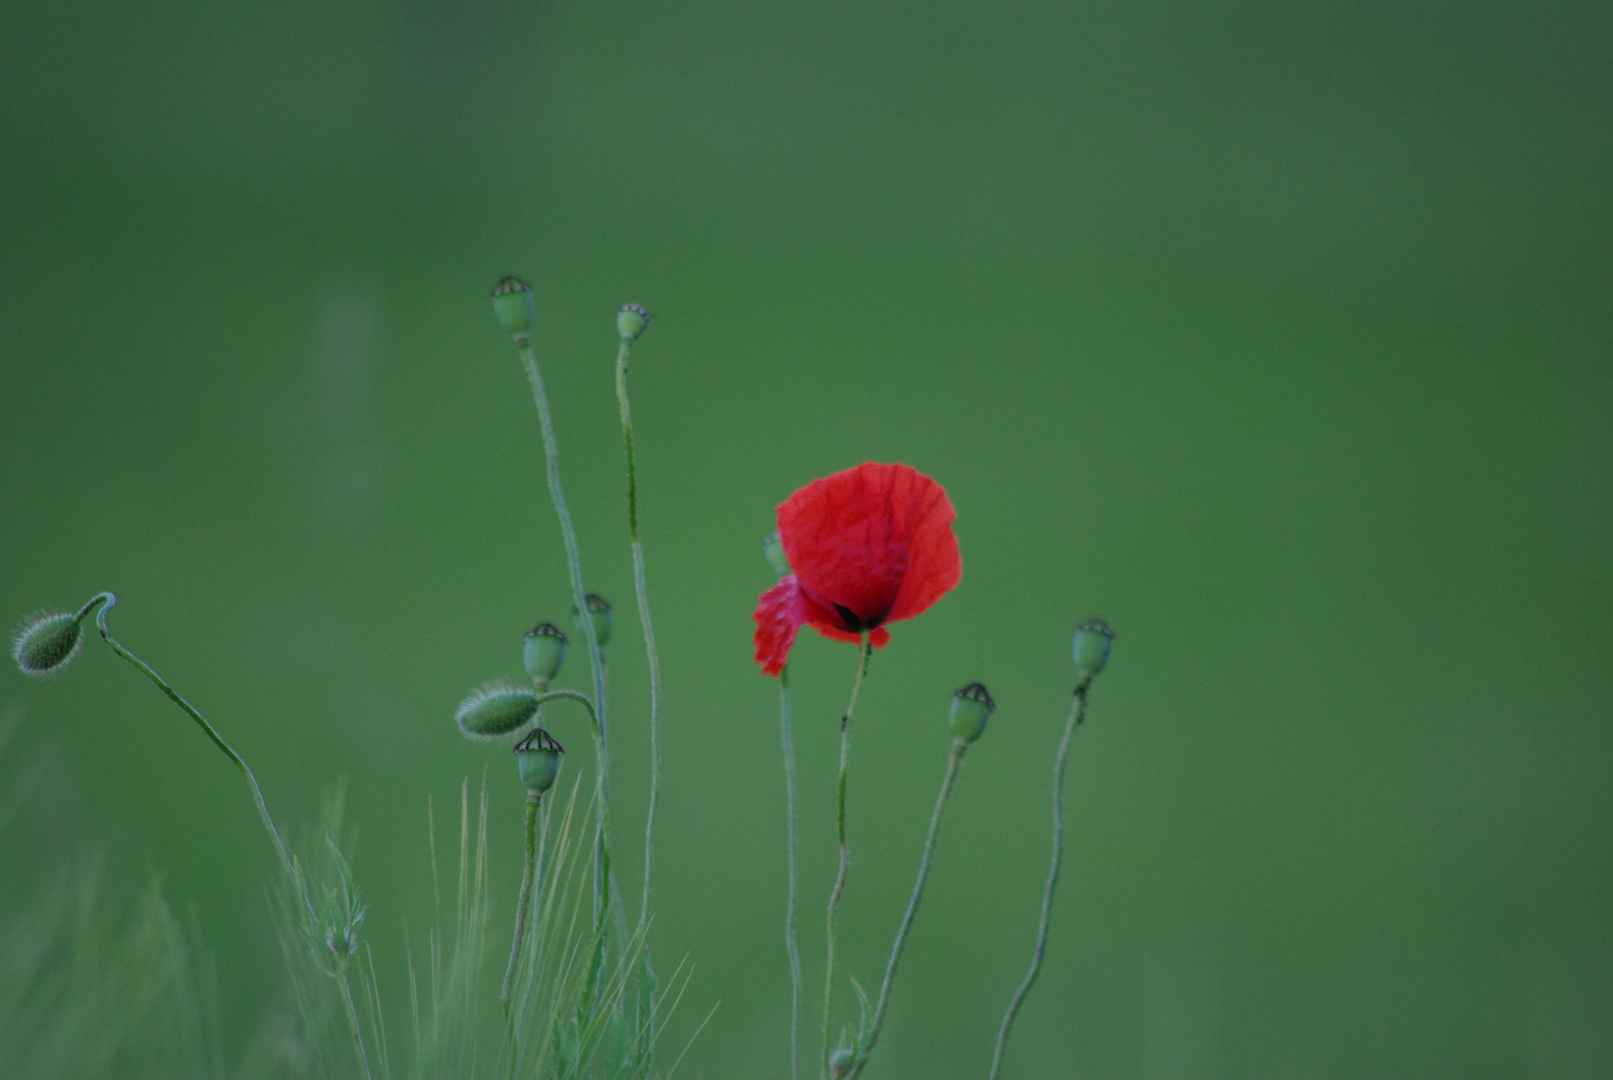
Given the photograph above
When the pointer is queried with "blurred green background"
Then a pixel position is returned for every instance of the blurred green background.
(1279, 334)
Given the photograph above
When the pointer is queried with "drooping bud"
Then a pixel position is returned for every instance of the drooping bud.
(1093, 640)
(45, 642)
(599, 614)
(773, 552)
(543, 653)
(632, 321)
(495, 709)
(512, 306)
(971, 708)
(538, 758)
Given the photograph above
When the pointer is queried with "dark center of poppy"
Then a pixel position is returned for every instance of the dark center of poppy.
(856, 623)
(849, 617)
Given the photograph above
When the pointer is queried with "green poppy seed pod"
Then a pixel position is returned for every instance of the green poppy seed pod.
(512, 306)
(543, 653)
(971, 708)
(773, 552)
(45, 642)
(495, 709)
(538, 758)
(1093, 640)
(632, 321)
(599, 614)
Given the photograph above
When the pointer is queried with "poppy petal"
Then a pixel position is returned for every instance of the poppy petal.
(780, 612)
(934, 567)
(849, 536)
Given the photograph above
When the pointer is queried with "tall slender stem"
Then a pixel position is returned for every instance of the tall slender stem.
(652, 654)
(864, 650)
(954, 762)
(528, 872)
(1078, 708)
(551, 455)
(793, 848)
(352, 1019)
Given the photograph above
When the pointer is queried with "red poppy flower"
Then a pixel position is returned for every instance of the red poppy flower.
(868, 546)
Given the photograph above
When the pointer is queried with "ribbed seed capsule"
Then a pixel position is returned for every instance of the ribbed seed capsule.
(971, 708)
(632, 321)
(543, 652)
(600, 614)
(537, 757)
(512, 307)
(1093, 640)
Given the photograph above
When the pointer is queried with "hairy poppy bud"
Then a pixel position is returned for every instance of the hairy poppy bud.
(773, 552)
(538, 758)
(495, 709)
(599, 614)
(45, 642)
(632, 321)
(1093, 640)
(839, 1060)
(971, 708)
(512, 306)
(543, 653)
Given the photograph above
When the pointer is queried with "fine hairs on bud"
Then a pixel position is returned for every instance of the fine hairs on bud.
(494, 709)
(46, 642)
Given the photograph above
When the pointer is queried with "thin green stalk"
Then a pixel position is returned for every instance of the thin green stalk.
(864, 651)
(652, 654)
(654, 658)
(954, 762)
(793, 849)
(524, 904)
(596, 660)
(1078, 708)
(352, 1019)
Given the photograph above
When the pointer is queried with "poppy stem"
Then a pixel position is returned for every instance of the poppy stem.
(793, 852)
(1078, 709)
(653, 656)
(523, 904)
(864, 651)
(954, 763)
(551, 454)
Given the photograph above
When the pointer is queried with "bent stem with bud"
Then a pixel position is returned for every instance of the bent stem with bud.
(1093, 640)
(864, 650)
(971, 709)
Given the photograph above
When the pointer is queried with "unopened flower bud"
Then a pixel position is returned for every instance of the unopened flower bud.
(512, 306)
(632, 321)
(495, 709)
(45, 642)
(599, 614)
(1093, 640)
(543, 653)
(773, 552)
(839, 1060)
(538, 758)
(971, 708)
